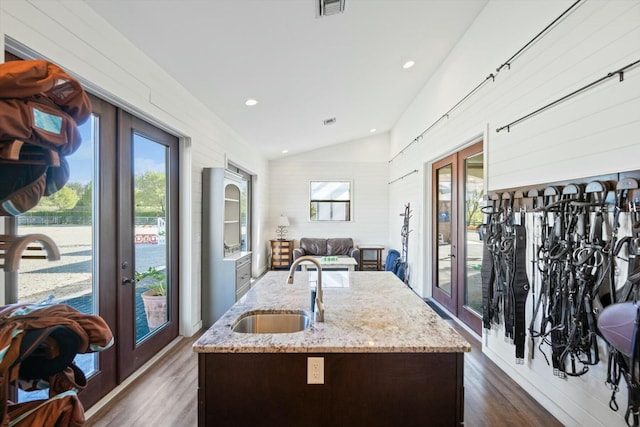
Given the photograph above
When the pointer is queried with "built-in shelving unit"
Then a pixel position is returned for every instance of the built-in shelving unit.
(226, 269)
(231, 217)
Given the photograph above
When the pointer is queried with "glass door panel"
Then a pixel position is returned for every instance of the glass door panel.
(68, 217)
(445, 215)
(150, 253)
(245, 206)
(244, 216)
(443, 228)
(474, 190)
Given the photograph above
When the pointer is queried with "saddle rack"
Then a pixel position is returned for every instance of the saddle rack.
(29, 246)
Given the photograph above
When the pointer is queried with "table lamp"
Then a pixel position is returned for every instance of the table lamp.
(283, 223)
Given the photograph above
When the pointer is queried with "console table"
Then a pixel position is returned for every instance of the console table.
(371, 257)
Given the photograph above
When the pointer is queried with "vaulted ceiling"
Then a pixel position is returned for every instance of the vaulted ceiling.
(301, 69)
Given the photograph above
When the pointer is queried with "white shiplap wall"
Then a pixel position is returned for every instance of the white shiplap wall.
(593, 133)
(70, 34)
(596, 132)
(363, 162)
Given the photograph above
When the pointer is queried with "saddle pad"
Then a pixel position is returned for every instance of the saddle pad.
(40, 124)
(23, 79)
(21, 187)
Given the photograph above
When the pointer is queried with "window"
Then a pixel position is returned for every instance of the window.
(330, 201)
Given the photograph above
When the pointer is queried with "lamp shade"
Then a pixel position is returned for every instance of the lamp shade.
(283, 221)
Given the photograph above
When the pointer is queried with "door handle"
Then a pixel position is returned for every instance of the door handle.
(126, 280)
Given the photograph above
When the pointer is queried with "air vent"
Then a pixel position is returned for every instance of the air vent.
(330, 121)
(329, 7)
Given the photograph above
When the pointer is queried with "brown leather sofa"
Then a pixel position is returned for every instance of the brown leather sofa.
(341, 247)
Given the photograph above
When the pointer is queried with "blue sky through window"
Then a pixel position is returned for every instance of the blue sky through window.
(147, 156)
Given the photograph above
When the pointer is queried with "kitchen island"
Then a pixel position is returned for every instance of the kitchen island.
(386, 359)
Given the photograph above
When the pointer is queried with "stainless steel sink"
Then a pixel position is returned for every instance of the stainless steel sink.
(269, 322)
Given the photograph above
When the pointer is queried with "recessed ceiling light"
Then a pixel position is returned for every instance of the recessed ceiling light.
(373, 130)
(250, 102)
(285, 151)
(408, 64)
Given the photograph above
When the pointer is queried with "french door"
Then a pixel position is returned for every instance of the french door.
(458, 187)
(116, 215)
(148, 245)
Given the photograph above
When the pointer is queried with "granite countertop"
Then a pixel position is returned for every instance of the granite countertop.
(365, 312)
(236, 255)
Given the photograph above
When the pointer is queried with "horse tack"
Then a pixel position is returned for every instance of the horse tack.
(40, 108)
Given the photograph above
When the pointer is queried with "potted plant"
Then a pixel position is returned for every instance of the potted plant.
(155, 297)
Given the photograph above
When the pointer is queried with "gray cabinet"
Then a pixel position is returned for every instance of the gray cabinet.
(226, 269)
(243, 275)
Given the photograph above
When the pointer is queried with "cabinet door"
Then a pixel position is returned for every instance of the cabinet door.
(243, 272)
(243, 276)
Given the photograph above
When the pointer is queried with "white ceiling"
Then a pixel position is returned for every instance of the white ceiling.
(300, 68)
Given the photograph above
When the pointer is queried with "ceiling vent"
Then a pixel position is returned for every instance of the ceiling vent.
(330, 121)
(329, 7)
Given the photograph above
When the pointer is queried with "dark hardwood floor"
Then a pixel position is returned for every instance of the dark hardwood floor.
(165, 396)
(493, 399)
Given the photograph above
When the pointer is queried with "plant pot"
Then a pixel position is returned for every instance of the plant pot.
(155, 307)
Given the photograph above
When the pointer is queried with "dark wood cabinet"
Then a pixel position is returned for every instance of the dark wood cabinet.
(360, 389)
(370, 257)
(281, 253)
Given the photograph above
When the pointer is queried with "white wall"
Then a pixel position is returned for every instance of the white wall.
(363, 162)
(593, 133)
(70, 34)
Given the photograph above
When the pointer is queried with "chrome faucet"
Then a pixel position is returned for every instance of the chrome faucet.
(320, 310)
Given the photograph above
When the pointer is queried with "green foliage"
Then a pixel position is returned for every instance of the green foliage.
(157, 280)
(86, 195)
(474, 213)
(70, 197)
(150, 191)
(77, 198)
(64, 199)
(149, 212)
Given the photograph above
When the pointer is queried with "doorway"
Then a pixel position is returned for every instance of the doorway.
(147, 259)
(458, 188)
(116, 215)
